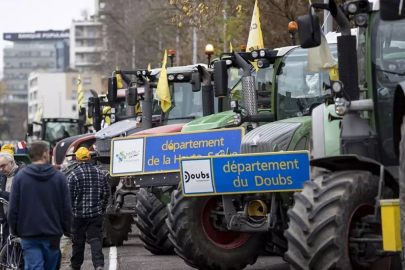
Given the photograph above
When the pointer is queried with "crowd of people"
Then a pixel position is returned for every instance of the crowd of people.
(44, 204)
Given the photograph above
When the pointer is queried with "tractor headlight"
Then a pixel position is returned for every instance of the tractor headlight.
(337, 86)
(180, 77)
(352, 8)
(340, 106)
(234, 104)
(237, 119)
(262, 53)
(255, 54)
(170, 77)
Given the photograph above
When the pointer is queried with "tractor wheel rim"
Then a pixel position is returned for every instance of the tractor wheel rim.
(222, 239)
(362, 211)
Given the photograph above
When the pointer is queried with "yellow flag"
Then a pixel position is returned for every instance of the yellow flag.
(230, 47)
(80, 94)
(162, 90)
(255, 39)
(119, 81)
(149, 67)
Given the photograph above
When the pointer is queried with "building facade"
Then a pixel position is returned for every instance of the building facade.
(46, 50)
(54, 95)
(86, 45)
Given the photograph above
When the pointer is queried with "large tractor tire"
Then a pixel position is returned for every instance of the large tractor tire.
(203, 246)
(151, 222)
(116, 229)
(324, 213)
(277, 245)
(402, 186)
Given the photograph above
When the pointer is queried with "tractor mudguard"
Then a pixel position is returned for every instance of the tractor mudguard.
(399, 113)
(62, 148)
(355, 162)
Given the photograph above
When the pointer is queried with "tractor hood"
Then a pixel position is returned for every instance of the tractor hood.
(117, 129)
(213, 121)
(160, 130)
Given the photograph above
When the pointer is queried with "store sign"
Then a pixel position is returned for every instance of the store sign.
(38, 35)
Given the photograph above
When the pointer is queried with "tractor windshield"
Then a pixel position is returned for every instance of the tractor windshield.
(56, 131)
(186, 104)
(263, 81)
(388, 56)
(299, 90)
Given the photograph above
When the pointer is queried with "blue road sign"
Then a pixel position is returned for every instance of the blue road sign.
(147, 154)
(247, 173)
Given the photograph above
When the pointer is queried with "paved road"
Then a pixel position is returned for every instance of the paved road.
(133, 256)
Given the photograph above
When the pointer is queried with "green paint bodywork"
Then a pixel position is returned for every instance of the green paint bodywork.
(331, 132)
(213, 121)
(22, 157)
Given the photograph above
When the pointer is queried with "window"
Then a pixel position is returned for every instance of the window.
(74, 81)
(91, 32)
(87, 80)
(73, 95)
(91, 43)
(46, 53)
(74, 107)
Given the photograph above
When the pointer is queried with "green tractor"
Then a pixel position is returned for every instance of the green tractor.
(235, 229)
(336, 220)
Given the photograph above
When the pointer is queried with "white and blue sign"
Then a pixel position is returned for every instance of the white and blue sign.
(252, 173)
(147, 154)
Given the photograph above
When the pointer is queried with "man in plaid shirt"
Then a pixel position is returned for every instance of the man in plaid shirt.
(89, 191)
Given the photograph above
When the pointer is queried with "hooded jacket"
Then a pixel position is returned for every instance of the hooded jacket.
(40, 205)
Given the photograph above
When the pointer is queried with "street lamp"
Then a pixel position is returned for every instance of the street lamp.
(171, 56)
(209, 50)
(292, 30)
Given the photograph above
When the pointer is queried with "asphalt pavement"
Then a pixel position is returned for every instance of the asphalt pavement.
(133, 256)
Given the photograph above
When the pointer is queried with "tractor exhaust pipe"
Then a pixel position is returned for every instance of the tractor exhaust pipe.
(147, 104)
(249, 94)
(207, 91)
(347, 54)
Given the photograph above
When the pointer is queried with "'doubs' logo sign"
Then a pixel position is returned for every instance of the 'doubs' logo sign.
(199, 177)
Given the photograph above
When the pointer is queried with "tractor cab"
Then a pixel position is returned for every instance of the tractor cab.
(52, 130)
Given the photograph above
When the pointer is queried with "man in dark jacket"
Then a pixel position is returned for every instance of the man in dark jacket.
(8, 169)
(89, 191)
(40, 209)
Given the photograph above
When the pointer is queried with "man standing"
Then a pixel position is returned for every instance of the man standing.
(40, 209)
(8, 169)
(89, 191)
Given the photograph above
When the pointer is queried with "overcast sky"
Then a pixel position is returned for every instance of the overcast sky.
(37, 15)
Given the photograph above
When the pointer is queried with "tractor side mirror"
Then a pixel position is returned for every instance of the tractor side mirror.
(220, 79)
(90, 107)
(132, 96)
(309, 31)
(390, 10)
(30, 129)
(112, 90)
(195, 82)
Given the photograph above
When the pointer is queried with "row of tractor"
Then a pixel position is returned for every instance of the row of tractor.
(255, 154)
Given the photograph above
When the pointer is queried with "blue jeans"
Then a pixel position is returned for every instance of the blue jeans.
(41, 254)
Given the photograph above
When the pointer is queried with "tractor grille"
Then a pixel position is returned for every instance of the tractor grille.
(122, 128)
(265, 138)
(103, 147)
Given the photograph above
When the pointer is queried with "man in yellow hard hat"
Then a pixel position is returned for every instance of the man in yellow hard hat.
(89, 192)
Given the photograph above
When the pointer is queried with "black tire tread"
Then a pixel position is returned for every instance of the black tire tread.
(195, 249)
(116, 236)
(151, 222)
(319, 245)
